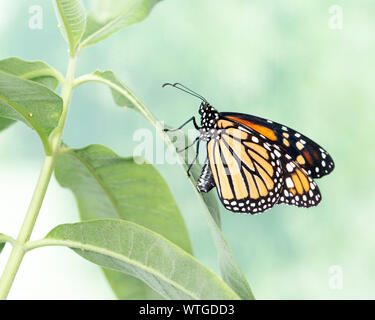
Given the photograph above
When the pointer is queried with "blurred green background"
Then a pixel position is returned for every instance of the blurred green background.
(279, 60)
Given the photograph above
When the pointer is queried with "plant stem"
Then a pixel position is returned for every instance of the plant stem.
(141, 108)
(18, 251)
(6, 238)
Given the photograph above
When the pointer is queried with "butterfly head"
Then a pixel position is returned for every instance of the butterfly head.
(208, 113)
(209, 116)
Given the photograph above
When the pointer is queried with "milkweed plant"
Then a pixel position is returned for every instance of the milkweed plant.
(144, 251)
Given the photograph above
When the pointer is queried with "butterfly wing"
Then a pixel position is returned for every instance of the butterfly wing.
(246, 168)
(299, 188)
(308, 154)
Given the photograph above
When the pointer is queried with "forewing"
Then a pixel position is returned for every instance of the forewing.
(246, 168)
(308, 154)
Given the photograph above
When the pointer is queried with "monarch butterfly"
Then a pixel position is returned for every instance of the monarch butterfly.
(256, 163)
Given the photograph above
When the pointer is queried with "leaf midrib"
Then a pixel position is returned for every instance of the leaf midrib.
(50, 241)
(63, 18)
(114, 255)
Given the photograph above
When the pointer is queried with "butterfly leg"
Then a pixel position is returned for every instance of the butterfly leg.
(195, 158)
(187, 147)
(184, 124)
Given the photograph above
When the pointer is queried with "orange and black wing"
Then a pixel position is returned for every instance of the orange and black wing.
(299, 189)
(305, 152)
(246, 168)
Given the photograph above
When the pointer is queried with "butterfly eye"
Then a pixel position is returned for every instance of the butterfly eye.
(202, 108)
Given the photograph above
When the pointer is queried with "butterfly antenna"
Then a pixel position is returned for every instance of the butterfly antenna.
(185, 89)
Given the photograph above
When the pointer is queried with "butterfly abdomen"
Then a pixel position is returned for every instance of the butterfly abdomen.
(206, 181)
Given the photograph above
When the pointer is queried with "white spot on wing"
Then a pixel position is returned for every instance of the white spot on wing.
(289, 182)
(289, 167)
(255, 139)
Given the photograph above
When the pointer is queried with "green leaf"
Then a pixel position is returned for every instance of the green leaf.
(37, 71)
(31, 103)
(125, 98)
(4, 239)
(108, 186)
(5, 123)
(121, 15)
(130, 248)
(127, 287)
(72, 21)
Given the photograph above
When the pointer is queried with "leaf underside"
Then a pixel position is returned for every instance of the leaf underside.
(2, 245)
(114, 17)
(34, 104)
(108, 186)
(122, 100)
(71, 15)
(37, 71)
(5, 123)
(127, 247)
